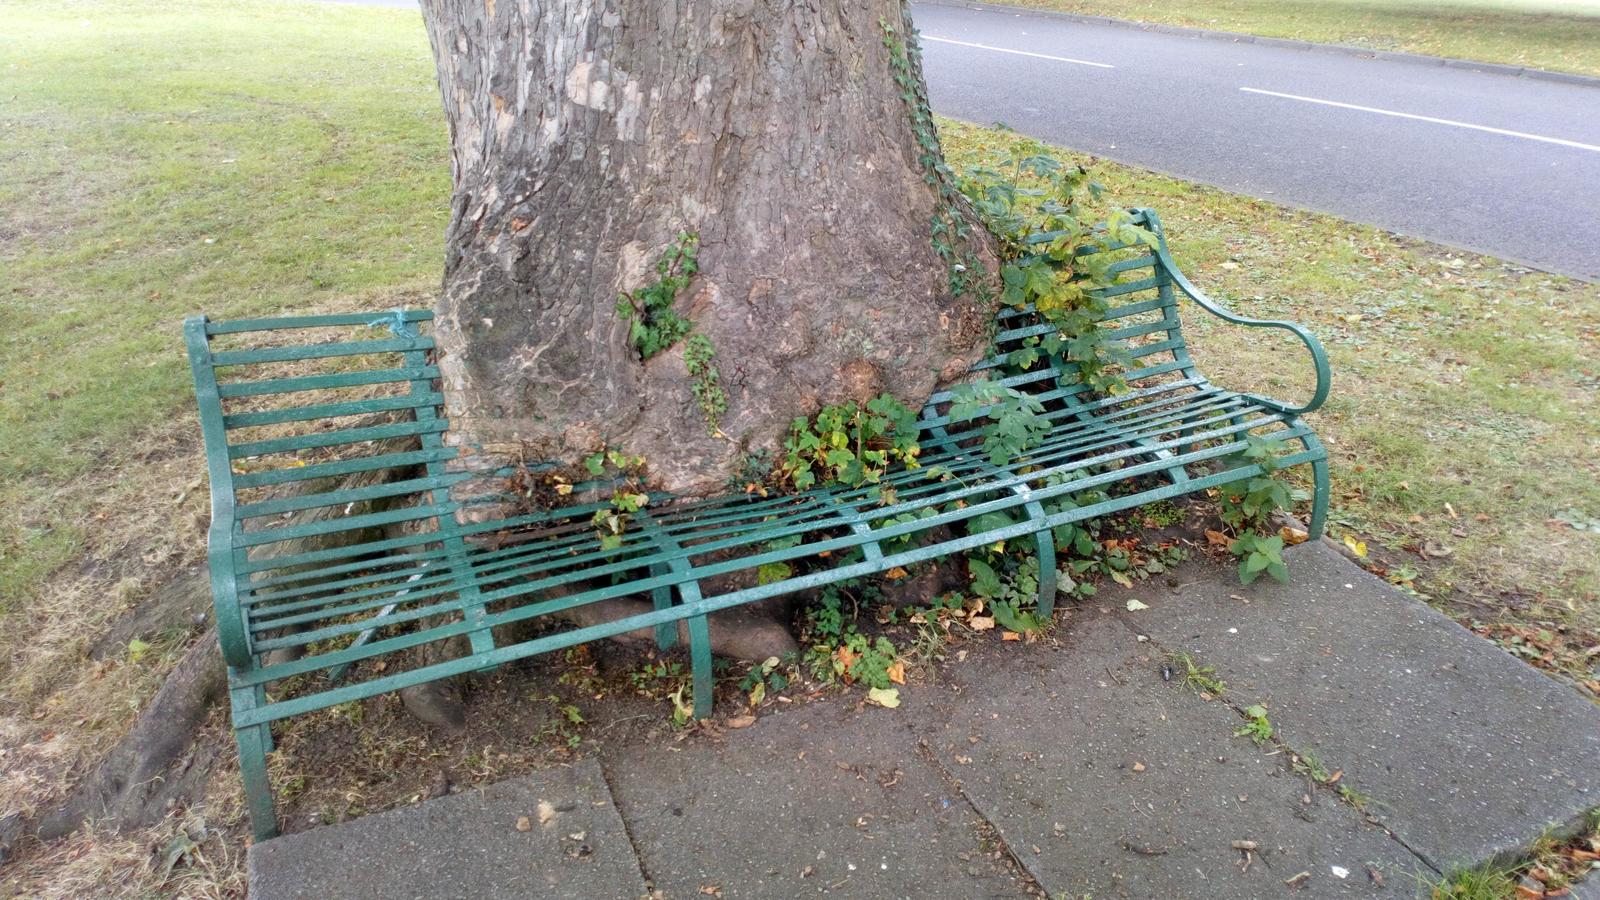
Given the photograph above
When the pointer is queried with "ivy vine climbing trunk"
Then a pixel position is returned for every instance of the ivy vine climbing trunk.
(792, 140)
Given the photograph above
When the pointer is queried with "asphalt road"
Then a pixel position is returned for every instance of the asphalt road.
(1496, 163)
(1501, 164)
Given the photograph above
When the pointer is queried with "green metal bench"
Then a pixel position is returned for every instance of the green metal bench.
(288, 405)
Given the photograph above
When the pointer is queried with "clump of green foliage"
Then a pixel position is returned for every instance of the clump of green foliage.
(1036, 207)
(850, 443)
(627, 496)
(1010, 584)
(1246, 507)
(653, 323)
(767, 677)
(1202, 679)
(837, 651)
(1013, 421)
(949, 234)
(1257, 727)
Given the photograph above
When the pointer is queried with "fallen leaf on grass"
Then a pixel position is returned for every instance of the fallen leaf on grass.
(1359, 548)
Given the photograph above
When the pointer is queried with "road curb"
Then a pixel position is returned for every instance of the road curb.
(1235, 37)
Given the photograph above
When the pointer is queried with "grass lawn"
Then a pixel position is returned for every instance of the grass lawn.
(245, 159)
(1563, 35)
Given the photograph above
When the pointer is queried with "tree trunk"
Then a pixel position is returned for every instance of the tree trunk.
(586, 135)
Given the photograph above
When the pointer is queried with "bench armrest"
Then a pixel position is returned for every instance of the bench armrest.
(232, 635)
(1319, 357)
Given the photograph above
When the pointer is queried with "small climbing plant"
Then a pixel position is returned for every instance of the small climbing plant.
(627, 497)
(1246, 508)
(654, 325)
(700, 358)
(1037, 207)
(948, 231)
(1012, 422)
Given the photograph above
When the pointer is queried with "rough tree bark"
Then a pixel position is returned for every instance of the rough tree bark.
(586, 134)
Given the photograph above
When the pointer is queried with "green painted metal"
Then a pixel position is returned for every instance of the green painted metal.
(432, 577)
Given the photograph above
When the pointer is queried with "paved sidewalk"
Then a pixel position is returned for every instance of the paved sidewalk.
(1074, 769)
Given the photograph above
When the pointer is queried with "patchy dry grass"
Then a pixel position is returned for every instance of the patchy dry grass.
(1563, 35)
(160, 160)
(163, 159)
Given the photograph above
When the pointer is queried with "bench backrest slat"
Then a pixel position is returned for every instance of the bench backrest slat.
(318, 427)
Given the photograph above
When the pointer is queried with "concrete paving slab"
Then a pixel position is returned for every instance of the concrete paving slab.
(832, 797)
(1108, 781)
(464, 846)
(1469, 753)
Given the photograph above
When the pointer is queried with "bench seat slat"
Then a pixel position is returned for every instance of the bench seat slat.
(335, 438)
(282, 709)
(279, 505)
(287, 474)
(593, 564)
(248, 539)
(1006, 501)
(1127, 287)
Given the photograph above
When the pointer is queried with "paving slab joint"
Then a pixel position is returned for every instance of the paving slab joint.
(959, 787)
(627, 826)
(1279, 745)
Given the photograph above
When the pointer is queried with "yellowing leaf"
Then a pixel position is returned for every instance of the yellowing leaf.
(897, 672)
(980, 623)
(1135, 606)
(889, 698)
(1292, 536)
(1359, 548)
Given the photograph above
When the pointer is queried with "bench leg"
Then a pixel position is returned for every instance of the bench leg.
(255, 742)
(261, 700)
(666, 632)
(1319, 502)
(1046, 541)
(700, 661)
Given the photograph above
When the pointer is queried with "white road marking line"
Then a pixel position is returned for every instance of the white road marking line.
(1400, 115)
(1065, 59)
